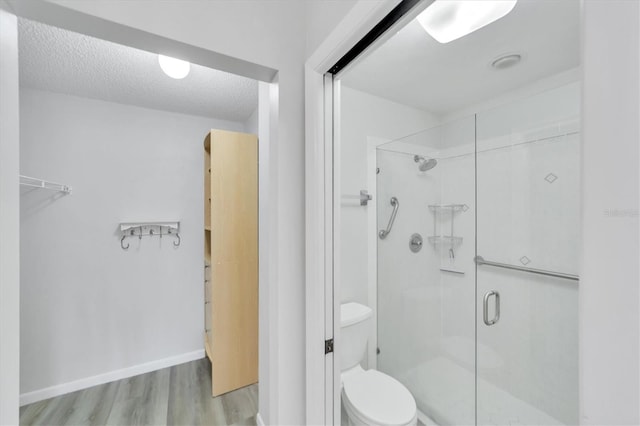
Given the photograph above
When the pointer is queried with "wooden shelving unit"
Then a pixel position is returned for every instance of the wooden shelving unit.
(231, 258)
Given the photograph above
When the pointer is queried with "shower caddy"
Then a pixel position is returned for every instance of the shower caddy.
(438, 210)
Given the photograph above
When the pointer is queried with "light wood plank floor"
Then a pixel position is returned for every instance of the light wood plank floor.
(179, 395)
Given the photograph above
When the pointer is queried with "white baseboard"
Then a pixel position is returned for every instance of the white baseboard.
(61, 389)
(259, 420)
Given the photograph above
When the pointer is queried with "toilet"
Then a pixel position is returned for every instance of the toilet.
(369, 397)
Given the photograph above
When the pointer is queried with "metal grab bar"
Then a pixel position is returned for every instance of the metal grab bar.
(384, 232)
(480, 261)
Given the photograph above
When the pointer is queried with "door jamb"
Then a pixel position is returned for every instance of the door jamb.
(322, 396)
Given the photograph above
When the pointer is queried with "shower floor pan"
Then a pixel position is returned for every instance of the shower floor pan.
(444, 391)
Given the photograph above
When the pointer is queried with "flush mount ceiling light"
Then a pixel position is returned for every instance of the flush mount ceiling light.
(448, 20)
(174, 68)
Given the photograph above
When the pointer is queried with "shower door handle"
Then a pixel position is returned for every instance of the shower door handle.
(485, 308)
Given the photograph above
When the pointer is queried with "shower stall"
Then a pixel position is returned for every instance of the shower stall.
(476, 263)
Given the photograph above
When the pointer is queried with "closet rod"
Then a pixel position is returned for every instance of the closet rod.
(44, 184)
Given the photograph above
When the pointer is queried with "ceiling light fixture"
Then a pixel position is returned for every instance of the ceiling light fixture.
(174, 68)
(448, 20)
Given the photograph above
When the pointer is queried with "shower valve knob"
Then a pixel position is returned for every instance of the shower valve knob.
(415, 243)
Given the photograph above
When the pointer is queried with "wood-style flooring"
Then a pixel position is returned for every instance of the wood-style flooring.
(179, 395)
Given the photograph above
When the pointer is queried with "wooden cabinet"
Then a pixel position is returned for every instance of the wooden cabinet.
(231, 258)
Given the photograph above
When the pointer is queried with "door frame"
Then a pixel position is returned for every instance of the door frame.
(9, 219)
(322, 204)
(268, 246)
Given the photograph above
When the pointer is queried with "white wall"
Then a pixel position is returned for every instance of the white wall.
(322, 16)
(609, 328)
(88, 307)
(251, 123)
(9, 219)
(363, 116)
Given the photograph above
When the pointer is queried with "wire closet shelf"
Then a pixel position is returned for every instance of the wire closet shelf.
(33, 182)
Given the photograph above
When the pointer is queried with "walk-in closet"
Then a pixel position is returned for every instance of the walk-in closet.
(138, 236)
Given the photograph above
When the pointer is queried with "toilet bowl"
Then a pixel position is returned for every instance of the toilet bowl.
(374, 398)
(369, 397)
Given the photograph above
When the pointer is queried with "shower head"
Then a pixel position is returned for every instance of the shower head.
(424, 164)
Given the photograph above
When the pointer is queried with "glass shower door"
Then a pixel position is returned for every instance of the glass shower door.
(480, 321)
(426, 291)
(528, 236)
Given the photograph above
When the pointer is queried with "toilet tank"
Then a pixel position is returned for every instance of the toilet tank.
(354, 333)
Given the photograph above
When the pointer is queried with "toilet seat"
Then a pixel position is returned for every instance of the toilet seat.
(378, 399)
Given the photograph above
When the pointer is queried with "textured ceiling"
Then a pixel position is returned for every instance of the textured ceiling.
(413, 69)
(61, 61)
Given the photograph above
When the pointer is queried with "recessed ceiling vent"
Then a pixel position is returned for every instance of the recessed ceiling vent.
(506, 61)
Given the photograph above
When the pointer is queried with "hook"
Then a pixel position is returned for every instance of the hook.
(122, 243)
(140, 235)
(174, 243)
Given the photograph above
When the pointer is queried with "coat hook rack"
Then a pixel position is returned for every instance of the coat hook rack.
(149, 229)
